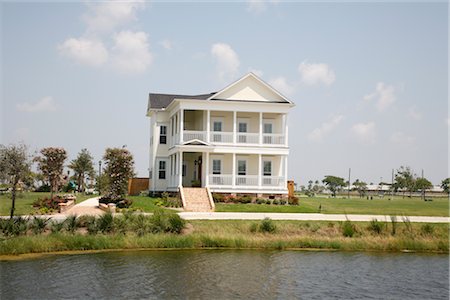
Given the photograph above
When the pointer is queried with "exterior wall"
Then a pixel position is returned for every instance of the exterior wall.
(137, 185)
(226, 117)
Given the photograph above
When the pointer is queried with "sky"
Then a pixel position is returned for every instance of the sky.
(369, 79)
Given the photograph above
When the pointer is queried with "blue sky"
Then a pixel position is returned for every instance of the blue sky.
(370, 80)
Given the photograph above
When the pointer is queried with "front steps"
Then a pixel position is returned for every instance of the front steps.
(196, 199)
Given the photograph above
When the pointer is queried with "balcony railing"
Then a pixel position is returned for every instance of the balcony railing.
(221, 137)
(243, 181)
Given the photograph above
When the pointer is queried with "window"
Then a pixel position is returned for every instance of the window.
(242, 128)
(184, 170)
(162, 169)
(267, 168)
(242, 167)
(217, 127)
(267, 127)
(267, 138)
(163, 134)
(217, 166)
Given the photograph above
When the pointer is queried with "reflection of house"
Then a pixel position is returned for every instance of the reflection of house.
(232, 141)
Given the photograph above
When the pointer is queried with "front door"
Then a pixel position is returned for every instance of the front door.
(200, 169)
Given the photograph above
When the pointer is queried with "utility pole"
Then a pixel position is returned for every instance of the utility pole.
(349, 172)
(392, 184)
(99, 176)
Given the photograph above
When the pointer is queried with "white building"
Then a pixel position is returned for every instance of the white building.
(232, 141)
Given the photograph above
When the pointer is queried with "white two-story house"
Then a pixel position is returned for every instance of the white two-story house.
(233, 141)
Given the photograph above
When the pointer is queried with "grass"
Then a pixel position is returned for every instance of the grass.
(239, 234)
(24, 202)
(377, 206)
(144, 203)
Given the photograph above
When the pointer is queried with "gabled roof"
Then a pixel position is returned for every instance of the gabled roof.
(159, 101)
(196, 142)
(249, 88)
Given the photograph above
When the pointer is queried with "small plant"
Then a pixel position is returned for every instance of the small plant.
(293, 200)
(408, 225)
(14, 227)
(176, 223)
(427, 229)
(394, 224)
(375, 226)
(56, 226)
(276, 202)
(140, 225)
(120, 224)
(105, 223)
(260, 201)
(267, 225)
(348, 229)
(71, 223)
(218, 197)
(283, 202)
(38, 225)
(254, 227)
(244, 199)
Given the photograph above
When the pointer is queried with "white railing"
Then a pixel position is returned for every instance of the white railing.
(273, 139)
(221, 137)
(277, 181)
(247, 138)
(220, 179)
(246, 180)
(189, 135)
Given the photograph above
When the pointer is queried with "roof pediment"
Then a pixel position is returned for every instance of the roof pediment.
(196, 142)
(250, 88)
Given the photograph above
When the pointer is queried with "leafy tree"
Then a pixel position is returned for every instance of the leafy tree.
(82, 166)
(445, 184)
(119, 168)
(51, 164)
(423, 184)
(14, 167)
(333, 183)
(405, 180)
(361, 187)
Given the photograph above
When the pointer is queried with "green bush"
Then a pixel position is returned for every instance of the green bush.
(260, 201)
(276, 202)
(218, 197)
(293, 200)
(71, 223)
(140, 225)
(267, 225)
(283, 202)
(176, 223)
(119, 201)
(348, 229)
(244, 199)
(375, 226)
(56, 226)
(14, 227)
(254, 227)
(427, 229)
(38, 225)
(105, 223)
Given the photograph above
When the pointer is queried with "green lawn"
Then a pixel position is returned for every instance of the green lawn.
(24, 202)
(144, 203)
(396, 206)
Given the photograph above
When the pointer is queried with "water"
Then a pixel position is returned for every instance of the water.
(227, 274)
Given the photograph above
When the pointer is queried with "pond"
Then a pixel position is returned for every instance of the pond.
(225, 274)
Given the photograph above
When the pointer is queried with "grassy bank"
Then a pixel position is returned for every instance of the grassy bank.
(24, 202)
(378, 206)
(366, 236)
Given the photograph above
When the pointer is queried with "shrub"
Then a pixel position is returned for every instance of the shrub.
(43, 188)
(14, 227)
(427, 229)
(119, 201)
(218, 197)
(267, 225)
(105, 223)
(260, 201)
(38, 225)
(71, 223)
(254, 227)
(176, 223)
(140, 225)
(375, 226)
(283, 202)
(348, 229)
(56, 226)
(244, 199)
(293, 200)
(276, 202)
(49, 203)
(120, 224)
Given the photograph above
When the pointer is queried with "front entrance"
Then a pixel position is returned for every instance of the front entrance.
(192, 169)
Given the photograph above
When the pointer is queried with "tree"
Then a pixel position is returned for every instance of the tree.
(423, 184)
(51, 164)
(333, 183)
(119, 168)
(445, 184)
(405, 180)
(361, 187)
(83, 165)
(15, 166)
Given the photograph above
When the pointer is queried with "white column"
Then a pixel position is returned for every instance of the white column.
(207, 169)
(233, 170)
(260, 127)
(181, 125)
(208, 125)
(234, 127)
(180, 169)
(285, 170)
(285, 129)
(259, 170)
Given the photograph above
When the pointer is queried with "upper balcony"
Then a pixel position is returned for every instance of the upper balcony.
(228, 128)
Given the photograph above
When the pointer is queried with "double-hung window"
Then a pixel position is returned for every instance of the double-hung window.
(242, 128)
(268, 127)
(162, 169)
(242, 171)
(217, 127)
(217, 170)
(163, 134)
(267, 172)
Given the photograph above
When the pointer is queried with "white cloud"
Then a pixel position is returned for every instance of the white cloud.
(414, 114)
(401, 138)
(167, 44)
(256, 6)
(106, 16)
(46, 104)
(85, 51)
(130, 52)
(384, 96)
(227, 61)
(319, 133)
(365, 132)
(281, 84)
(312, 74)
